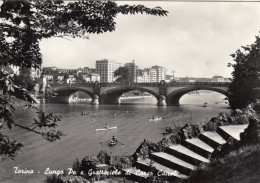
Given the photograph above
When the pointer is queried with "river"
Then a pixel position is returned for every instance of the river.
(131, 118)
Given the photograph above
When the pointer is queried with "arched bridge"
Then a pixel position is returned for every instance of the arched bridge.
(109, 93)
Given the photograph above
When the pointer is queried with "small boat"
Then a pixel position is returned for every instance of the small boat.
(167, 132)
(112, 143)
(105, 129)
(155, 118)
(205, 104)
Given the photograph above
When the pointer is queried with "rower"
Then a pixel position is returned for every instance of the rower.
(106, 127)
(114, 139)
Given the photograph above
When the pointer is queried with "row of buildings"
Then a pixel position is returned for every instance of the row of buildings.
(106, 68)
(104, 72)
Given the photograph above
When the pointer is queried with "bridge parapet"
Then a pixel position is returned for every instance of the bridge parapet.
(198, 83)
(155, 84)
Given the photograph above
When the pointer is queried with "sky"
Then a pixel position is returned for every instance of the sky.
(194, 40)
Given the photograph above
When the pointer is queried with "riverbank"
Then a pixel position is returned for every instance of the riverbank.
(135, 97)
(188, 131)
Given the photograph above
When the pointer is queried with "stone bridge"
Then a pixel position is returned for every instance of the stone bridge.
(109, 93)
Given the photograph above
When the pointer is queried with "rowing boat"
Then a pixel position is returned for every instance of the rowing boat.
(112, 143)
(105, 129)
(155, 119)
(167, 132)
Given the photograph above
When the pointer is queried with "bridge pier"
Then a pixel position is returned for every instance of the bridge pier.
(95, 100)
(162, 101)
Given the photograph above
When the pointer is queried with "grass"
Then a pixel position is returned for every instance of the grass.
(241, 166)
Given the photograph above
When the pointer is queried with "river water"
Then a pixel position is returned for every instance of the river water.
(130, 117)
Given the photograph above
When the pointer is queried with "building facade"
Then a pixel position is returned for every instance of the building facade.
(147, 75)
(160, 73)
(106, 68)
(132, 68)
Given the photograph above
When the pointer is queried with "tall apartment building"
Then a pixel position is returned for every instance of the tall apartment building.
(160, 73)
(132, 71)
(106, 68)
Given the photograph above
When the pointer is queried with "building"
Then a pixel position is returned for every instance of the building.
(153, 75)
(60, 71)
(48, 77)
(169, 78)
(217, 79)
(91, 77)
(160, 73)
(60, 78)
(146, 75)
(191, 79)
(227, 80)
(71, 79)
(36, 73)
(86, 70)
(132, 68)
(106, 68)
(50, 68)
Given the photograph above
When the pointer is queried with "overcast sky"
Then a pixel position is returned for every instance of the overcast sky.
(195, 39)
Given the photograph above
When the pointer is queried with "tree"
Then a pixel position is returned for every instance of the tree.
(24, 79)
(22, 25)
(122, 75)
(246, 75)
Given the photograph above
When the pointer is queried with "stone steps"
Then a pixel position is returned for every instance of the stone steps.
(173, 162)
(161, 170)
(178, 161)
(199, 147)
(231, 131)
(212, 138)
(186, 154)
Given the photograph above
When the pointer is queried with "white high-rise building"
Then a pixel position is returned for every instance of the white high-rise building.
(106, 68)
(160, 73)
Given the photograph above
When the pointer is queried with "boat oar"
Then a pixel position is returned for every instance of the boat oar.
(120, 143)
(104, 141)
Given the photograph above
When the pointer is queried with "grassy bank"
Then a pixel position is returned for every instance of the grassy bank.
(241, 166)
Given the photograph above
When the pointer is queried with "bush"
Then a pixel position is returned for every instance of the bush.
(53, 179)
(251, 135)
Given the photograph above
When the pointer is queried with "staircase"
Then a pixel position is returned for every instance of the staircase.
(178, 161)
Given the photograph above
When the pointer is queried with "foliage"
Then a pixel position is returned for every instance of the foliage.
(53, 179)
(240, 166)
(24, 79)
(77, 166)
(23, 24)
(104, 157)
(246, 75)
(89, 163)
(122, 75)
(251, 135)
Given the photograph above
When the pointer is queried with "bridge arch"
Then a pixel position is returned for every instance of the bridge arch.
(112, 96)
(62, 94)
(174, 97)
